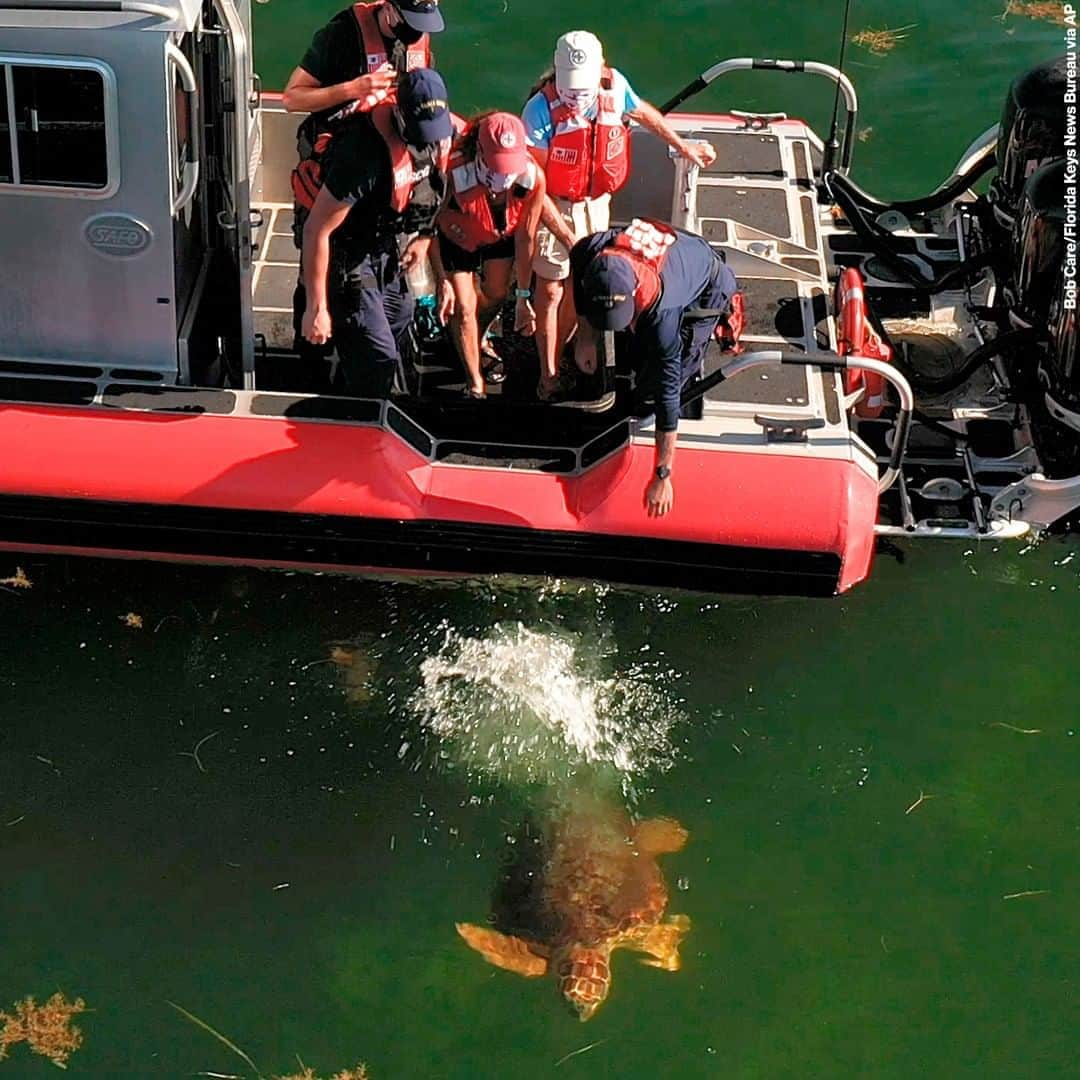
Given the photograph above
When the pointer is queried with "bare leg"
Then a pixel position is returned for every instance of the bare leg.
(493, 290)
(548, 295)
(567, 319)
(463, 327)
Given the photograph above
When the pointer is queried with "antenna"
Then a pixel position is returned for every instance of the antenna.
(832, 146)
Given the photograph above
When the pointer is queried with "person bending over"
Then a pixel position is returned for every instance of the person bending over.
(486, 232)
(669, 288)
(386, 179)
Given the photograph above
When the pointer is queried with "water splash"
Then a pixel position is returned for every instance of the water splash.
(519, 705)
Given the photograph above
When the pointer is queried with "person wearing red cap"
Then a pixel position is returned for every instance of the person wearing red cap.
(487, 228)
(576, 124)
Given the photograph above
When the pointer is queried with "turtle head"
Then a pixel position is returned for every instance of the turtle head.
(585, 978)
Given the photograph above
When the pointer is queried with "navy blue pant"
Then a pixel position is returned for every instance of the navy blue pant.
(370, 307)
(697, 333)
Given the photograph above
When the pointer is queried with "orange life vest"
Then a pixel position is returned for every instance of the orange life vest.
(467, 218)
(587, 158)
(309, 175)
(417, 55)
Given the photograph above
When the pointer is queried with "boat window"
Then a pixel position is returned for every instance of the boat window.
(5, 131)
(59, 118)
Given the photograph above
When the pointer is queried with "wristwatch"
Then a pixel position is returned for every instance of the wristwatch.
(523, 294)
(663, 472)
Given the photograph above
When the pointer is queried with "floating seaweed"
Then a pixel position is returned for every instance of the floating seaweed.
(46, 1029)
(355, 666)
(880, 42)
(18, 580)
(1047, 10)
(359, 1073)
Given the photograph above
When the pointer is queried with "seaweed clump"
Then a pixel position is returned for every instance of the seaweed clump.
(46, 1029)
(1052, 11)
(880, 42)
(359, 1073)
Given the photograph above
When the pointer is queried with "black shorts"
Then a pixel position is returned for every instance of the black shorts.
(457, 260)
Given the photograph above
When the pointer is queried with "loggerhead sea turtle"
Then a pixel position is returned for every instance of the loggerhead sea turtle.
(598, 888)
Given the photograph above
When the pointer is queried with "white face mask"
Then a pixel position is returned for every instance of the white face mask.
(578, 101)
(495, 182)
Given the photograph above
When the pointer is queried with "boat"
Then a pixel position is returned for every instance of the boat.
(906, 369)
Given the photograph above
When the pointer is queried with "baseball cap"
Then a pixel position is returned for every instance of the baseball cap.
(579, 61)
(607, 287)
(425, 115)
(501, 138)
(421, 14)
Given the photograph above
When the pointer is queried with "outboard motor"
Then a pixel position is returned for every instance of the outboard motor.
(1032, 133)
(1038, 247)
(1059, 370)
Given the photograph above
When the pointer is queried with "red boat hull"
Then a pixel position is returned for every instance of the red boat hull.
(288, 492)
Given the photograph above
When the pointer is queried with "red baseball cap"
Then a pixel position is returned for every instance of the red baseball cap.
(501, 138)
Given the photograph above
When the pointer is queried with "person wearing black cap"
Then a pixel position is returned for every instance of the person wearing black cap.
(357, 57)
(669, 288)
(385, 179)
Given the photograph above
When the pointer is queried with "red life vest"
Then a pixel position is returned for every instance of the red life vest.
(467, 219)
(587, 158)
(418, 55)
(644, 244)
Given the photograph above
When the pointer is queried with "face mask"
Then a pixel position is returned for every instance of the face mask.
(578, 101)
(406, 34)
(422, 155)
(495, 182)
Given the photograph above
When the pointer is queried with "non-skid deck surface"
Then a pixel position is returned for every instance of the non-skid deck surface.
(275, 272)
(762, 181)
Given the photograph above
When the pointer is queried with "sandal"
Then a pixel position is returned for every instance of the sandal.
(469, 394)
(491, 363)
(548, 394)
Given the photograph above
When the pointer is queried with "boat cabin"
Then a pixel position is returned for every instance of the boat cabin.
(128, 135)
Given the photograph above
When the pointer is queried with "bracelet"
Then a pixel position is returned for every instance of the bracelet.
(523, 294)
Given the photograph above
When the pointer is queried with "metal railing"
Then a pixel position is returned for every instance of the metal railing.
(827, 361)
(791, 67)
(138, 7)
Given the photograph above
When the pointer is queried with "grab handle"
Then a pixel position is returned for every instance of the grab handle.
(178, 62)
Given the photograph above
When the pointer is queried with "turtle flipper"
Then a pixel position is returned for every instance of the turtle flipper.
(661, 942)
(513, 953)
(659, 836)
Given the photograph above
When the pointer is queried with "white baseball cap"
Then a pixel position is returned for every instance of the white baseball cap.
(579, 61)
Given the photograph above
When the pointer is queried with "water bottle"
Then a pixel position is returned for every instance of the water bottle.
(419, 278)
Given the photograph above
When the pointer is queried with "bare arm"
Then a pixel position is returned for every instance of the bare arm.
(660, 495)
(525, 236)
(443, 289)
(304, 93)
(326, 216)
(701, 153)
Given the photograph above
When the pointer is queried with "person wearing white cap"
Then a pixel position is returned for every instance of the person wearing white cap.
(576, 126)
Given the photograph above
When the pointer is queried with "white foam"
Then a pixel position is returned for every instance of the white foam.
(520, 705)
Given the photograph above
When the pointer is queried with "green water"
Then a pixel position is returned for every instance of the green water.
(197, 812)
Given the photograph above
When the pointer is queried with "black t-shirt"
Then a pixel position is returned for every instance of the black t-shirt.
(358, 172)
(336, 53)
